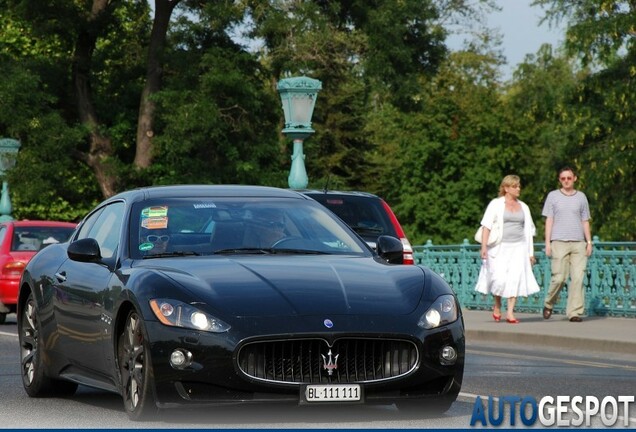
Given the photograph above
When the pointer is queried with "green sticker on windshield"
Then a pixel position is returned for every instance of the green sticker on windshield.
(155, 211)
(146, 246)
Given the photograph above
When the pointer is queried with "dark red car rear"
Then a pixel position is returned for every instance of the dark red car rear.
(369, 215)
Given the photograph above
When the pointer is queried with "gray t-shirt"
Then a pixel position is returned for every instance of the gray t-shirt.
(567, 212)
(513, 227)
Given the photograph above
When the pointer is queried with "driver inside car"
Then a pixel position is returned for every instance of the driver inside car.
(266, 228)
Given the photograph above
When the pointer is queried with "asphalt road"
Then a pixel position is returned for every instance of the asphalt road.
(498, 370)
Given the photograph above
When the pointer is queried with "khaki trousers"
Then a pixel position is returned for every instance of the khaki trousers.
(568, 258)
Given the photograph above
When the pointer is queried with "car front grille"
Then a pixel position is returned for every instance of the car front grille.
(308, 361)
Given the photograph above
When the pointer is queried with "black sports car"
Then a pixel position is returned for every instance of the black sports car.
(232, 294)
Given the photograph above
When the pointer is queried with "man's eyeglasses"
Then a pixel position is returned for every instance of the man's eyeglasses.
(565, 178)
(155, 238)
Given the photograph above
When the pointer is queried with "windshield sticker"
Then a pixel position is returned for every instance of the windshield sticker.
(204, 205)
(155, 222)
(155, 211)
(146, 246)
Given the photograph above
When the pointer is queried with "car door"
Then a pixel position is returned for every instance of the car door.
(83, 321)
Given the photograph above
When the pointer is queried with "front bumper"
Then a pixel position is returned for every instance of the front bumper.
(214, 377)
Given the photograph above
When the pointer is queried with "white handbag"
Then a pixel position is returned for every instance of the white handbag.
(493, 238)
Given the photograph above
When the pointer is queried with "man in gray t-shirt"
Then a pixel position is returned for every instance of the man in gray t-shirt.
(568, 241)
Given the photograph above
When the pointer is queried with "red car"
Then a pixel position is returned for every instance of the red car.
(19, 241)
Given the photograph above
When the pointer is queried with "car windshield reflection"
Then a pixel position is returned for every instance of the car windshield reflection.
(230, 226)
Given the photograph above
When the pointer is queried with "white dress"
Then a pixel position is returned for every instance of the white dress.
(507, 272)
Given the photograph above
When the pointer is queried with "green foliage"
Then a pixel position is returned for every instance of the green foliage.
(598, 31)
(538, 105)
(583, 120)
(218, 122)
(440, 167)
(431, 132)
(47, 182)
(403, 44)
(17, 41)
(364, 53)
(605, 147)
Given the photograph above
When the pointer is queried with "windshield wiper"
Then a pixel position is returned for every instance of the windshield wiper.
(298, 251)
(268, 251)
(257, 251)
(172, 254)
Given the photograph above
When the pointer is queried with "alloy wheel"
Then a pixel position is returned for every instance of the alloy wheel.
(132, 361)
(29, 336)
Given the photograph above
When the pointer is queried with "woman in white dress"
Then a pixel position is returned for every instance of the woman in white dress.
(506, 269)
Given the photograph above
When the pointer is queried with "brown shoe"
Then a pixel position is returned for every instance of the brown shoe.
(547, 313)
(576, 319)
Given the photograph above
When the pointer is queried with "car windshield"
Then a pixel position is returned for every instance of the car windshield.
(230, 226)
(34, 238)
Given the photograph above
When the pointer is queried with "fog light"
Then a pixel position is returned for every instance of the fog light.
(180, 359)
(448, 355)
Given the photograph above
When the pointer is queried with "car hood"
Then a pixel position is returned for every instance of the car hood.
(297, 286)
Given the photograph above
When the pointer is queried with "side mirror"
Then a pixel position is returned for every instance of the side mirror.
(84, 250)
(390, 249)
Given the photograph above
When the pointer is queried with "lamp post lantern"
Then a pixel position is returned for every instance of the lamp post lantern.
(8, 152)
(298, 95)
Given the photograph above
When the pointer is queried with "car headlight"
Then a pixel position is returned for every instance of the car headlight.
(442, 311)
(178, 314)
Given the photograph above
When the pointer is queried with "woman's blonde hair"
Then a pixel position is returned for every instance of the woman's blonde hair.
(509, 180)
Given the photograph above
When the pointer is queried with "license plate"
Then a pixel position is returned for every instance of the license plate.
(333, 393)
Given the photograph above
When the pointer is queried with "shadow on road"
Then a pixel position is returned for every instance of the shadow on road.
(249, 415)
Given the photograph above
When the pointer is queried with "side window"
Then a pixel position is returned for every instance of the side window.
(87, 224)
(3, 232)
(106, 228)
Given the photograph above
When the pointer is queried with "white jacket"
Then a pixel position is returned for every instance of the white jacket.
(493, 220)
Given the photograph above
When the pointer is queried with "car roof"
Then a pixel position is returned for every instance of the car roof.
(40, 223)
(199, 190)
(337, 192)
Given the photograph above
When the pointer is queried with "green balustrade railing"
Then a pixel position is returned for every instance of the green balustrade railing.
(609, 280)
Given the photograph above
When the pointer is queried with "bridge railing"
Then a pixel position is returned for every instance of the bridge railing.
(609, 282)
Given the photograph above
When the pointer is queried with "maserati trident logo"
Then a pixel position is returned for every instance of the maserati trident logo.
(330, 362)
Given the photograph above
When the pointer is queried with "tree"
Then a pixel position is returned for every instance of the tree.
(601, 34)
(598, 31)
(364, 52)
(218, 116)
(47, 182)
(444, 164)
(154, 69)
(605, 143)
(87, 33)
(538, 103)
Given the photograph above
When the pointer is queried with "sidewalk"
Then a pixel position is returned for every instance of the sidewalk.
(595, 333)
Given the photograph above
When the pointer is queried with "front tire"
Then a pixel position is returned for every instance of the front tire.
(137, 379)
(34, 379)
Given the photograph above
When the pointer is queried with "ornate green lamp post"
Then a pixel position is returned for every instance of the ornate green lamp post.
(8, 152)
(298, 95)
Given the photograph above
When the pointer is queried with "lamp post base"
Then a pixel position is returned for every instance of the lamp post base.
(5, 203)
(298, 174)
